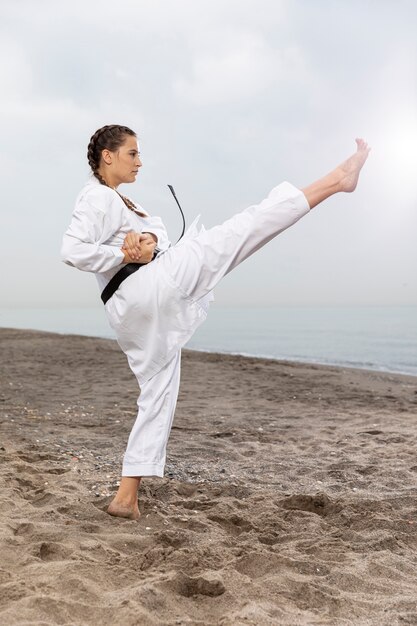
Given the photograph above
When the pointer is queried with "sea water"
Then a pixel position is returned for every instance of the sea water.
(379, 338)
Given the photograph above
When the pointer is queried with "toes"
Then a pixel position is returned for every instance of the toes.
(362, 144)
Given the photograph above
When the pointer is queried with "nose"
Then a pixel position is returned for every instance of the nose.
(138, 162)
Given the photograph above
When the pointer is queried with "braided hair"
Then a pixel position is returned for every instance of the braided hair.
(109, 137)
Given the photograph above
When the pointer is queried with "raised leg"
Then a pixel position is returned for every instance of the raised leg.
(197, 264)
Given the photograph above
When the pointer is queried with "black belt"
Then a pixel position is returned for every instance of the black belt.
(116, 281)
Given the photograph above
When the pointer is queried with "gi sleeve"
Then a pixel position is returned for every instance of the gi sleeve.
(155, 226)
(84, 243)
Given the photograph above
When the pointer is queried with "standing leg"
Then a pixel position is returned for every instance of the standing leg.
(146, 449)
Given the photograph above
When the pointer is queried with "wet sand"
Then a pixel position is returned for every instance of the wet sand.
(290, 494)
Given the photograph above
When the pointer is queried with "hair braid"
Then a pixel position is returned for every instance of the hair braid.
(109, 137)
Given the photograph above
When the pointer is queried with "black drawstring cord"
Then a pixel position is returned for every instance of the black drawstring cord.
(171, 188)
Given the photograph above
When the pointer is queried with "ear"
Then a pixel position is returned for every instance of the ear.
(107, 157)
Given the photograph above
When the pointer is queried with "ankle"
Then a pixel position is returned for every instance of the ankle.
(125, 500)
(127, 494)
(335, 179)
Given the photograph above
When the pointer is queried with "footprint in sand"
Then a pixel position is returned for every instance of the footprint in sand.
(25, 528)
(233, 524)
(173, 538)
(49, 551)
(43, 499)
(261, 565)
(195, 505)
(35, 457)
(207, 584)
(320, 504)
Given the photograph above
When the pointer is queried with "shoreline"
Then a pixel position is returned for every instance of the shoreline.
(236, 354)
(289, 495)
(303, 362)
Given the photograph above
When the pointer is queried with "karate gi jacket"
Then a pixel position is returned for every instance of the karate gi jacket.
(150, 314)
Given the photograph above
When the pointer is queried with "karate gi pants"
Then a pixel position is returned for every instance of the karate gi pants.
(196, 265)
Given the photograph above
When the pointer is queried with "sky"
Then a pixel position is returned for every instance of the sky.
(228, 98)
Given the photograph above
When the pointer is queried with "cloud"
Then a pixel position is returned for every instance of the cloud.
(228, 99)
(235, 69)
(241, 67)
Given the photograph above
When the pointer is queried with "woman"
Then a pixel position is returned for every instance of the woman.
(154, 311)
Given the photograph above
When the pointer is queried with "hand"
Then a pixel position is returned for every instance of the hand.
(148, 246)
(138, 247)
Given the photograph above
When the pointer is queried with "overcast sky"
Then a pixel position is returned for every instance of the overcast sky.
(229, 98)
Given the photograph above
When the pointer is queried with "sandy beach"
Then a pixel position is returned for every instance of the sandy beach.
(290, 494)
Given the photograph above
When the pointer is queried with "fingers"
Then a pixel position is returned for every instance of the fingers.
(140, 247)
(148, 249)
(146, 255)
(132, 245)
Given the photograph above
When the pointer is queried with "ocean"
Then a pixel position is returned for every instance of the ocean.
(377, 338)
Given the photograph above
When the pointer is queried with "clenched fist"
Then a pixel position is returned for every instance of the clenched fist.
(138, 247)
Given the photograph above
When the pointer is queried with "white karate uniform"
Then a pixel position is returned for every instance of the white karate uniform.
(156, 310)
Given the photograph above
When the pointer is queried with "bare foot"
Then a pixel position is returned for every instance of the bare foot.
(350, 169)
(125, 502)
(120, 509)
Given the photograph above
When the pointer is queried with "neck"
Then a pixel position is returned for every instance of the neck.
(108, 178)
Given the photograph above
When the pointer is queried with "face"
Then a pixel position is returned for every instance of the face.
(123, 165)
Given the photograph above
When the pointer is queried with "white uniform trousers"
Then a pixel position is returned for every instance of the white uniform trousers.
(146, 447)
(196, 265)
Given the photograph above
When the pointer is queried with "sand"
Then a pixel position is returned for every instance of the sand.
(290, 494)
